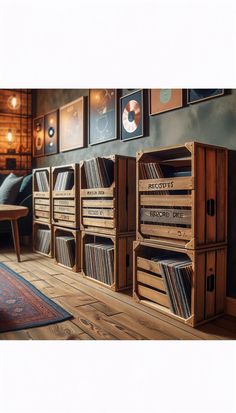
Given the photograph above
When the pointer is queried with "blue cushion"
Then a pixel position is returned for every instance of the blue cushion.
(25, 188)
(9, 189)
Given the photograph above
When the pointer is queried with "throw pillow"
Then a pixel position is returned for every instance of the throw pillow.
(25, 188)
(9, 189)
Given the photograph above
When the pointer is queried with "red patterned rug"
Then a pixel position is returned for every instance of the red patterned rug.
(23, 306)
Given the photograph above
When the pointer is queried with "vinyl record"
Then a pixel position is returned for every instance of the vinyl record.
(38, 143)
(131, 116)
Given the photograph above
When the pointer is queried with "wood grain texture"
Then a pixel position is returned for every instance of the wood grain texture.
(101, 314)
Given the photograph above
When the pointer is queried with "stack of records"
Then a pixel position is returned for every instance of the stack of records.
(177, 276)
(64, 181)
(42, 181)
(65, 250)
(43, 240)
(99, 172)
(99, 262)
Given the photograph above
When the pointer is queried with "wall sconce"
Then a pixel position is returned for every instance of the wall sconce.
(10, 140)
(13, 102)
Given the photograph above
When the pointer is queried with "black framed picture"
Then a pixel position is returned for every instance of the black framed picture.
(197, 95)
(51, 133)
(131, 115)
(102, 115)
(38, 137)
(73, 125)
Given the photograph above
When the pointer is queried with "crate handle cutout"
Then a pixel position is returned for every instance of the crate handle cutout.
(211, 283)
(211, 207)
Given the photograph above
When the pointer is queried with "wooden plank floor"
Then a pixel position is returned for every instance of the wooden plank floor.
(101, 314)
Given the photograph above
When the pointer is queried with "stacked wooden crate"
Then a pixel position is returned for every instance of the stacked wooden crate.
(65, 213)
(108, 216)
(42, 211)
(182, 215)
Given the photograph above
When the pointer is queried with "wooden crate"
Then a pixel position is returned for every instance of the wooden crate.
(208, 280)
(177, 209)
(42, 200)
(123, 262)
(43, 225)
(65, 204)
(110, 210)
(60, 231)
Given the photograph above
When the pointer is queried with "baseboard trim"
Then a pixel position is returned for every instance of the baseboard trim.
(230, 306)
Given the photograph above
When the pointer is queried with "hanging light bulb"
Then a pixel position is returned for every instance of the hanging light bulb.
(14, 102)
(9, 136)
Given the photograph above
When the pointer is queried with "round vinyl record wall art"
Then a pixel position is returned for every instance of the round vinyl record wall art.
(38, 137)
(132, 115)
(39, 143)
(51, 133)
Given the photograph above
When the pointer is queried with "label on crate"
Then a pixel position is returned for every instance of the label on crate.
(64, 217)
(64, 202)
(167, 184)
(41, 194)
(98, 212)
(69, 193)
(166, 216)
(40, 207)
(70, 210)
(156, 186)
(96, 192)
(41, 201)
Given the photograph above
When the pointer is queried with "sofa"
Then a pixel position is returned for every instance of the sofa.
(23, 198)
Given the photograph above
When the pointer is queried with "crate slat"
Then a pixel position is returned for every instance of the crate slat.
(166, 200)
(166, 231)
(166, 184)
(41, 201)
(98, 212)
(104, 203)
(93, 222)
(97, 192)
(148, 265)
(69, 210)
(153, 295)
(151, 280)
(166, 216)
(64, 202)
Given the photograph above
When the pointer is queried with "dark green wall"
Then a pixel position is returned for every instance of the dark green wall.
(212, 121)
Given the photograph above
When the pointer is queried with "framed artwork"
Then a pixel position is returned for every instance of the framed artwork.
(102, 115)
(38, 137)
(197, 95)
(51, 133)
(131, 115)
(72, 125)
(163, 100)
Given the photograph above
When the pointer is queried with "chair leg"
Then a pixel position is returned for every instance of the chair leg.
(15, 234)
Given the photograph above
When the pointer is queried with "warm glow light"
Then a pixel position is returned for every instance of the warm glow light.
(51, 121)
(9, 136)
(13, 102)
